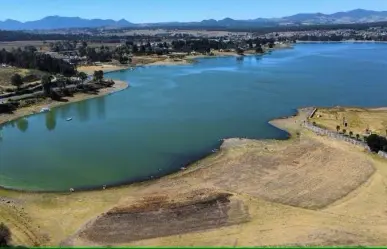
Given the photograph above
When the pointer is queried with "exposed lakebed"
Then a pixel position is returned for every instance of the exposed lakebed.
(172, 115)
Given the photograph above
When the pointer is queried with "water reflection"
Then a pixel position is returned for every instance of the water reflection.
(51, 120)
(240, 58)
(22, 124)
(12, 123)
(101, 107)
(64, 111)
(83, 110)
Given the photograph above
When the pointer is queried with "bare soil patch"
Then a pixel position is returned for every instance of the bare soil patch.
(159, 216)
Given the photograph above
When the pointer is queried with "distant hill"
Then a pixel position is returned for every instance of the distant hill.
(58, 22)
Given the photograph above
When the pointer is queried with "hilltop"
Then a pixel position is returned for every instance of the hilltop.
(59, 22)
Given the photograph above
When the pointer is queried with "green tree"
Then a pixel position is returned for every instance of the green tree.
(47, 84)
(239, 51)
(134, 49)
(344, 131)
(258, 49)
(338, 128)
(376, 142)
(17, 80)
(123, 59)
(357, 136)
(61, 81)
(82, 76)
(98, 75)
(5, 235)
(350, 133)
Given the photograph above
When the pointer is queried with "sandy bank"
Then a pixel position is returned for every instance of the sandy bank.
(106, 68)
(21, 112)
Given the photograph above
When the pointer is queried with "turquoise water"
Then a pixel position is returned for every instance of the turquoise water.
(172, 115)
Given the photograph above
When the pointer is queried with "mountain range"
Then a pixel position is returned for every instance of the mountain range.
(58, 22)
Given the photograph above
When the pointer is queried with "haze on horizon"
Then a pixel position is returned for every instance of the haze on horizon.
(148, 11)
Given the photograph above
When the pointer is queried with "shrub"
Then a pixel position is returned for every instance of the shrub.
(55, 96)
(5, 235)
(8, 107)
(376, 142)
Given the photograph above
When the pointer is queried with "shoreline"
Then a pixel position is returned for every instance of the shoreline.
(235, 170)
(221, 144)
(124, 184)
(35, 109)
(166, 61)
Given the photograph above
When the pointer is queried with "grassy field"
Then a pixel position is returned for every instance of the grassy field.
(40, 45)
(309, 190)
(358, 119)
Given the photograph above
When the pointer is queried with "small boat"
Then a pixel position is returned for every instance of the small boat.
(69, 119)
(45, 109)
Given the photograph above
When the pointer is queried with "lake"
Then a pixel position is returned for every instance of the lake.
(172, 115)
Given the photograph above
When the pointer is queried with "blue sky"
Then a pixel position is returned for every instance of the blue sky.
(140, 11)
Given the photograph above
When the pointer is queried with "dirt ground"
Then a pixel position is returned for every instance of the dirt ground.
(308, 190)
(160, 216)
(357, 119)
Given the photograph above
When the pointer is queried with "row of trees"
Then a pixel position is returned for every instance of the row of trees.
(206, 45)
(120, 53)
(30, 59)
(374, 141)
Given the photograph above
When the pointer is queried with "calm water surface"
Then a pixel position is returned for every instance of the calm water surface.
(172, 115)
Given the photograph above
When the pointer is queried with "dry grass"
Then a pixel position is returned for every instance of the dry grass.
(305, 173)
(7, 73)
(40, 45)
(358, 119)
(24, 229)
(308, 190)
